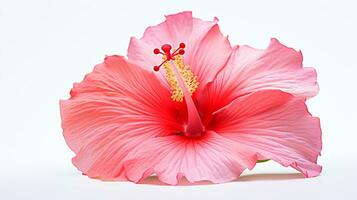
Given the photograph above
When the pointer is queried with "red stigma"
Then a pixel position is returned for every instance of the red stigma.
(182, 45)
(166, 50)
(181, 52)
(156, 51)
(156, 68)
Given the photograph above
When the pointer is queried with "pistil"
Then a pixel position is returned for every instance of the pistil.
(186, 85)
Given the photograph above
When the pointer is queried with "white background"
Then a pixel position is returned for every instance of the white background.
(46, 45)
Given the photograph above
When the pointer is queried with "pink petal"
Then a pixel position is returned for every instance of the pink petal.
(210, 56)
(211, 158)
(206, 49)
(249, 70)
(115, 108)
(275, 125)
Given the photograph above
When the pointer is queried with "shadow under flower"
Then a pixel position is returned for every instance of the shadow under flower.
(270, 177)
(153, 180)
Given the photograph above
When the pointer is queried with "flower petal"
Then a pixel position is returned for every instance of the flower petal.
(275, 125)
(114, 108)
(249, 70)
(210, 56)
(206, 49)
(211, 158)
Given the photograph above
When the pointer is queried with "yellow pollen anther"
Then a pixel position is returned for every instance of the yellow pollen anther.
(188, 77)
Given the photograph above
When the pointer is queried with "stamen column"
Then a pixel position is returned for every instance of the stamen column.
(194, 127)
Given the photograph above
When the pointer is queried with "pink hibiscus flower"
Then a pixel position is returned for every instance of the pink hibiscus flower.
(208, 112)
